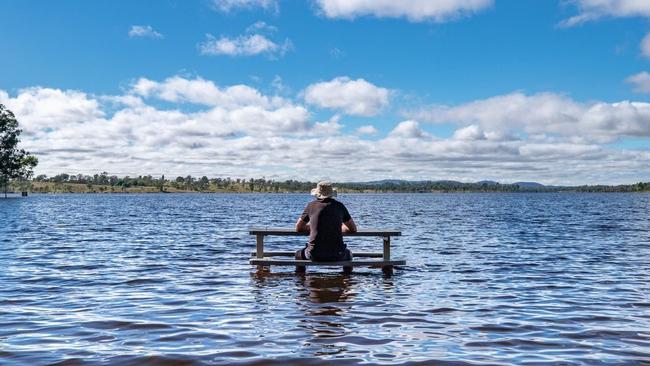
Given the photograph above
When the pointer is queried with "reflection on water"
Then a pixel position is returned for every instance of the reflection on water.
(324, 301)
(164, 280)
(322, 317)
(326, 288)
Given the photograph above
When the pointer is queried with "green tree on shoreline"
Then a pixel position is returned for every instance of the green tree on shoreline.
(15, 163)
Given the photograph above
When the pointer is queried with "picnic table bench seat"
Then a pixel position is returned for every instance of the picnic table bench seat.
(365, 259)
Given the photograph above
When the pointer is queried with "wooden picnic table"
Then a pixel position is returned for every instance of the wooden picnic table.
(262, 258)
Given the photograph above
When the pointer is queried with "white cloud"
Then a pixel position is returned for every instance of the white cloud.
(124, 100)
(245, 45)
(244, 134)
(641, 82)
(547, 114)
(144, 31)
(177, 89)
(234, 109)
(254, 120)
(408, 129)
(645, 46)
(43, 108)
(227, 6)
(470, 133)
(355, 97)
(329, 127)
(590, 10)
(414, 10)
(261, 26)
(367, 130)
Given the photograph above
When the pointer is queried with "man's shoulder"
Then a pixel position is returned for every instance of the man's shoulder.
(338, 203)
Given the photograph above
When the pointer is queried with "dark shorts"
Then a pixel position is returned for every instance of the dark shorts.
(303, 254)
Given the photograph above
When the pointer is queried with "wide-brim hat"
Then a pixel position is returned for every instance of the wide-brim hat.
(323, 190)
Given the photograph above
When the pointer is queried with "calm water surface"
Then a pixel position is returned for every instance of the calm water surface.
(163, 279)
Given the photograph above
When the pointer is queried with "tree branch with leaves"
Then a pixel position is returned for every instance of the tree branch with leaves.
(15, 163)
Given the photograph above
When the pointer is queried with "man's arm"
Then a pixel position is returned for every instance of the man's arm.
(301, 226)
(349, 226)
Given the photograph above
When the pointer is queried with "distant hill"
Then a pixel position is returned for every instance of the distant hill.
(383, 181)
(404, 182)
(443, 182)
(450, 182)
(488, 182)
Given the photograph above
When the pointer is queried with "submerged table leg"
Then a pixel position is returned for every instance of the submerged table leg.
(387, 248)
(259, 252)
(388, 270)
(301, 269)
(259, 246)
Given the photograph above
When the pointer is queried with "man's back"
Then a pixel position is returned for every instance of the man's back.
(325, 218)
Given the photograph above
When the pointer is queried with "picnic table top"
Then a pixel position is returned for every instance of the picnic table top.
(284, 231)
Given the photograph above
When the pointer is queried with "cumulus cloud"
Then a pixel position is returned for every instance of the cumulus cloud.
(408, 129)
(219, 130)
(227, 6)
(590, 10)
(233, 109)
(329, 127)
(355, 97)
(43, 108)
(143, 31)
(367, 130)
(645, 46)
(178, 89)
(470, 133)
(413, 10)
(244, 45)
(640, 81)
(547, 113)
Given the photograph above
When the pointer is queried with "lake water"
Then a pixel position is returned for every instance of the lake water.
(164, 280)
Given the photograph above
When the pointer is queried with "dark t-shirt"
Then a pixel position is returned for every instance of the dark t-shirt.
(325, 237)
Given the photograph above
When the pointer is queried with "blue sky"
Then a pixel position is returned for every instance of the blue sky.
(444, 93)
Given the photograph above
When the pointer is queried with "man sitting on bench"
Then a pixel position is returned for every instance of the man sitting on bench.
(325, 219)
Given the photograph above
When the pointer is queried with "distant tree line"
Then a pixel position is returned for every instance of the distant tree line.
(104, 182)
(186, 183)
(638, 187)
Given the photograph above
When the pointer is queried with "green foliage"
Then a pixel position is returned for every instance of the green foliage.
(15, 163)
